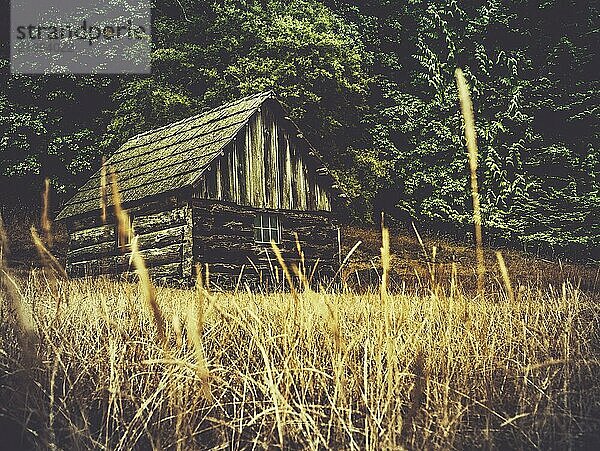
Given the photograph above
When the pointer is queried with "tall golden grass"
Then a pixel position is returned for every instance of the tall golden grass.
(311, 369)
(344, 371)
(304, 369)
(45, 221)
(103, 192)
(471, 137)
(125, 232)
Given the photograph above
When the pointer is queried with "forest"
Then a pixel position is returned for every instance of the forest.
(371, 83)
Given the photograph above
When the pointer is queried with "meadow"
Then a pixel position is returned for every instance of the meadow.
(88, 364)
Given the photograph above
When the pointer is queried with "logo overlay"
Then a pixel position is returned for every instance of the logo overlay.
(80, 37)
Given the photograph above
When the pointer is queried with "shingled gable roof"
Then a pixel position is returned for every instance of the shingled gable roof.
(168, 158)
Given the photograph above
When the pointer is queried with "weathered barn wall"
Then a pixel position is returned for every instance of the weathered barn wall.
(267, 166)
(164, 230)
(216, 172)
(224, 238)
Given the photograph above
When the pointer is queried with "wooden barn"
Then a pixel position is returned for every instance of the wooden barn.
(213, 189)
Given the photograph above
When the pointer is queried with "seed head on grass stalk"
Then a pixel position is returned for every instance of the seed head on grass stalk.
(103, 191)
(302, 266)
(207, 270)
(505, 276)
(4, 249)
(385, 261)
(121, 216)
(300, 270)
(124, 231)
(200, 296)
(45, 220)
(471, 137)
(148, 289)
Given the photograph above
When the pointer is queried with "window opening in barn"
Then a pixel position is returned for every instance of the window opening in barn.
(267, 228)
(124, 241)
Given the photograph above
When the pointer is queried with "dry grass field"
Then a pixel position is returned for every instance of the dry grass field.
(83, 365)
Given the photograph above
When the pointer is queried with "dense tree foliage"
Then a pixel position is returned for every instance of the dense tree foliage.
(371, 84)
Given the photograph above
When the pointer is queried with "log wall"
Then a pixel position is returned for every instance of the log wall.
(164, 230)
(217, 233)
(223, 238)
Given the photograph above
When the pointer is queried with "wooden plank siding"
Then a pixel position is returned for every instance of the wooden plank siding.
(266, 166)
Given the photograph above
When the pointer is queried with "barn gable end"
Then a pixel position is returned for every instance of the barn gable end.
(268, 166)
